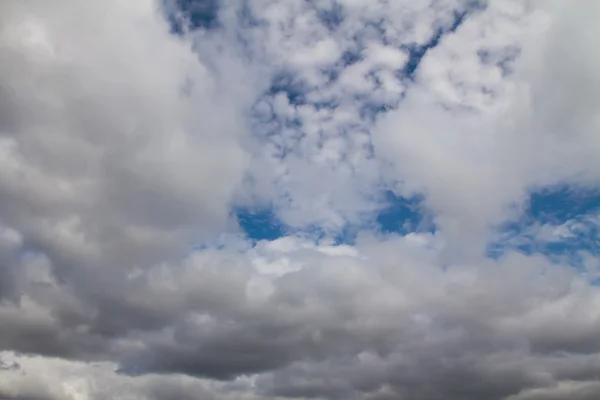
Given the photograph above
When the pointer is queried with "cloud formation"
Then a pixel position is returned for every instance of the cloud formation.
(127, 144)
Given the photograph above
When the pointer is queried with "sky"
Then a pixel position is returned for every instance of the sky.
(299, 199)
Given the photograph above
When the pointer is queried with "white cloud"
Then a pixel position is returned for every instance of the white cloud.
(469, 138)
(117, 143)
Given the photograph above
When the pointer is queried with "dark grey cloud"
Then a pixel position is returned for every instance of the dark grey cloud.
(391, 325)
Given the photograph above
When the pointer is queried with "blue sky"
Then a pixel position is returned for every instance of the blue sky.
(562, 207)
(548, 206)
(398, 215)
(570, 212)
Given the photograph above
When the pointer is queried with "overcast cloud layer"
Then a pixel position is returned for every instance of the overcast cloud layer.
(127, 144)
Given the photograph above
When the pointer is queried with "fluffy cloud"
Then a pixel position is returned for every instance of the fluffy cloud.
(297, 320)
(477, 142)
(112, 134)
(124, 144)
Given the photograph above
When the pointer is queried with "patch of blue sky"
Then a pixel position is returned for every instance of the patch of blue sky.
(184, 15)
(371, 110)
(288, 84)
(561, 222)
(346, 235)
(255, 224)
(561, 204)
(416, 52)
(260, 224)
(297, 92)
(332, 17)
(399, 216)
(404, 215)
(264, 224)
(350, 57)
(268, 124)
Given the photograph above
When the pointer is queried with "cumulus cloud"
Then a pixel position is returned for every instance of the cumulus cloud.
(112, 133)
(478, 143)
(126, 144)
(302, 321)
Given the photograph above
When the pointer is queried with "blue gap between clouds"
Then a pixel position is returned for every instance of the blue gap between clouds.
(331, 17)
(403, 215)
(417, 52)
(555, 206)
(191, 14)
(261, 224)
(400, 215)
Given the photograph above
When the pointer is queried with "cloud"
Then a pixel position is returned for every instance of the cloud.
(112, 134)
(476, 142)
(129, 147)
(306, 323)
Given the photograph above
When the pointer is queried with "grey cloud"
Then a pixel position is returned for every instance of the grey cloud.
(568, 390)
(343, 328)
(107, 163)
